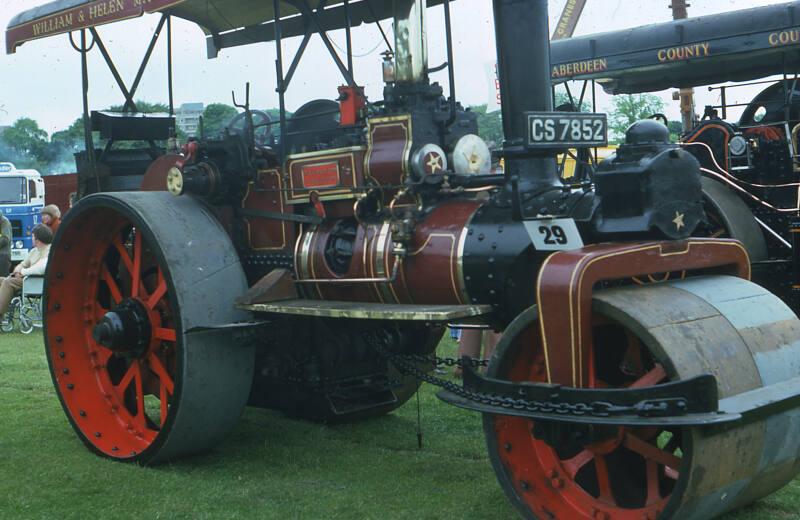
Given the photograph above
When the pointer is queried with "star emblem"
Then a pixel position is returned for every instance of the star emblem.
(678, 221)
(434, 162)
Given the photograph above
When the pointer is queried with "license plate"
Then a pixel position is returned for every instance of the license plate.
(566, 130)
(554, 234)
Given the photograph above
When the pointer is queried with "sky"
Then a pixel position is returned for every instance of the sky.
(42, 80)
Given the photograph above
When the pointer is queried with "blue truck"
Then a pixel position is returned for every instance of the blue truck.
(21, 201)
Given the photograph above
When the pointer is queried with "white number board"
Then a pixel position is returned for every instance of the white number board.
(554, 234)
(566, 129)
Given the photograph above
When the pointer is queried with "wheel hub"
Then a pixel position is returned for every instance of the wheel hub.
(126, 329)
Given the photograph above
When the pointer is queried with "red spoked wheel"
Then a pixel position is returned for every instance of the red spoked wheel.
(129, 326)
(600, 472)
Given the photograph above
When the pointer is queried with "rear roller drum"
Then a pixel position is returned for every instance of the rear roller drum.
(136, 284)
(645, 336)
(729, 217)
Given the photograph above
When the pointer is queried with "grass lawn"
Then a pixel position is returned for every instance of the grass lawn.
(269, 467)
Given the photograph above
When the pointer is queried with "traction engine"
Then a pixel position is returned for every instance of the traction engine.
(314, 273)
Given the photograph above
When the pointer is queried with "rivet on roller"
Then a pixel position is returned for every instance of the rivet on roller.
(557, 483)
(82, 413)
(70, 386)
(97, 434)
(524, 485)
(507, 446)
(602, 515)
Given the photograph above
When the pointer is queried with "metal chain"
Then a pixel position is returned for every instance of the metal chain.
(448, 362)
(407, 364)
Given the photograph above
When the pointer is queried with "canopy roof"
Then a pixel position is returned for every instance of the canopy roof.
(734, 46)
(227, 23)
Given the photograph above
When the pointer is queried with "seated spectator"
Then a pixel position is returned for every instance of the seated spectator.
(33, 265)
(5, 245)
(51, 217)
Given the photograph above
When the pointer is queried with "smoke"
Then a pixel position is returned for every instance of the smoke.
(8, 154)
(62, 160)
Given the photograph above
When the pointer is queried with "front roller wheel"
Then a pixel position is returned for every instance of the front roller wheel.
(135, 284)
(644, 336)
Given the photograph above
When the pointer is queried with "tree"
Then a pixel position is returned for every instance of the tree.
(144, 107)
(216, 117)
(28, 142)
(71, 138)
(490, 125)
(629, 108)
(562, 98)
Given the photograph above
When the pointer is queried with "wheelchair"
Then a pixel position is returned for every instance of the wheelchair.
(27, 307)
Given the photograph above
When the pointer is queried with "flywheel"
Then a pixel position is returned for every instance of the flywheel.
(137, 285)
(643, 336)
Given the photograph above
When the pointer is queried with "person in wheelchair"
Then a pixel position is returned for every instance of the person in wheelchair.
(5, 245)
(33, 265)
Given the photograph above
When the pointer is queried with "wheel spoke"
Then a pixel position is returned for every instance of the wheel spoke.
(632, 362)
(158, 292)
(650, 452)
(136, 274)
(158, 367)
(99, 312)
(653, 492)
(102, 355)
(656, 375)
(164, 403)
(603, 479)
(164, 334)
(129, 375)
(140, 415)
(573, 465)
(123, 254)
(113, 288)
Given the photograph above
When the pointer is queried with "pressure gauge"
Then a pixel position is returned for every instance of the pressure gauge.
(430, 159)
(737, 145)
(471, 155)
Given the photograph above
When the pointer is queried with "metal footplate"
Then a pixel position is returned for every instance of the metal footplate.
(369, 311)
(691, 402)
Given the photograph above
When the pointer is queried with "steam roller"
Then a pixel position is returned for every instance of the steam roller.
(644, 336)
(644, 372)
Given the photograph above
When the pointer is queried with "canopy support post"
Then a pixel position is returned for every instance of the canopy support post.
(307, 12)
(451, 73)
(169, 66)
(87, 125)
(145, 61)
(348, 37)
(279, 75)
(302, 48)
(112, 68)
